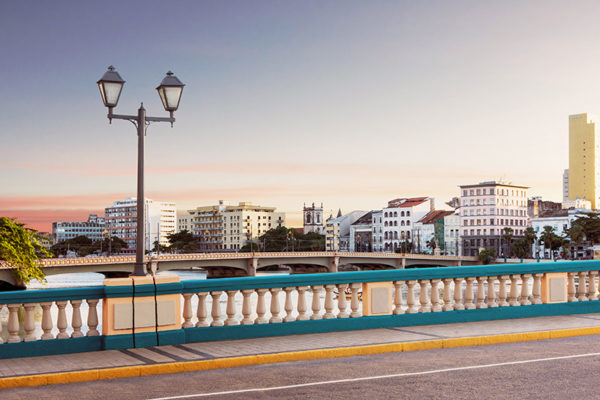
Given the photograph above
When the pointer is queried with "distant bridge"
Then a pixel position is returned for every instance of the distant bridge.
(221, 265)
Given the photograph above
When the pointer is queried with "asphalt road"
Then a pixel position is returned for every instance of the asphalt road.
(549, 369)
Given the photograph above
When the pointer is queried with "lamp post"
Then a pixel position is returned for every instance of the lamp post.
(169, 90)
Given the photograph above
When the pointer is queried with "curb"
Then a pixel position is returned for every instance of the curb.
(244, 361)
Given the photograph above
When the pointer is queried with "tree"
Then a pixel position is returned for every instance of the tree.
(507, 235)
(530, 238)
(521, 248)
(83, 246)
(249, 247)
(20, 249)
(431, 244)
(590, 225)
(486, 256)
(183, 241)
(550, 239)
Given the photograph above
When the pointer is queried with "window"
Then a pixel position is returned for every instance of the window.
(395, 213)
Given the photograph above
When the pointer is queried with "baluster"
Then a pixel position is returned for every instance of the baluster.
(458, 303)
(592, 285)
(581, 288)
(423, 297)
(261, 308)
(469, 296)
(275, 309)
(46, 320)
(187, 310)
(29, 324)
(216, 308)
(316, 302)
(502, 293)
(231, 311)
(201, 311)
(329, 305)
(289, 304)
(302, 303)
(354, 302)
(514, 293)
(13, 323)
(491, 292)
(481, 292)
(61, 322)
(571, 286)
(247, 307)
(525, 290)
(435, 296)
(92, 318)
(76, 318)
(410, 298)
(537, 289)
(398, 297)
(342, 303)
(448, 306)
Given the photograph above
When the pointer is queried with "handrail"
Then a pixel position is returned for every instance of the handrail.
(43, 295)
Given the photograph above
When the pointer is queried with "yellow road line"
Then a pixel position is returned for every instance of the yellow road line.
(244, 361)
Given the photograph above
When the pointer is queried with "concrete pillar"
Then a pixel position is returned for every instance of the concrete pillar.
(252, 265)
(334, 263)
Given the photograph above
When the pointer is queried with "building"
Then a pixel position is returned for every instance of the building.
(486, 209)
(429, 231)
(361, 235)
(577, 203)
(121, 221)
(537, 207)
(560, 221)
(228, 227)
(452, 243)
(584, 160)
(565, 187)
(185, 221)
(399, 217)
(46, 239)
(377, 226)
(92, 228)
(313, 219)
(337, 236)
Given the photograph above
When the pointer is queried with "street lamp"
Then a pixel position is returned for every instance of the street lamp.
(170, 90)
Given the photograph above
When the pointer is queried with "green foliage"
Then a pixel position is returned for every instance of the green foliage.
(249, 247)
(183, 241)
(20, 249)
(83, 246)
(575, 233)
(507, 235)
(431, 244)
(486, 256)
(286, 239)
(405, 247)
(521, 248)
(589, 223)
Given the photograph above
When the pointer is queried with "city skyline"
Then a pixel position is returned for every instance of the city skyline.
(348, 105)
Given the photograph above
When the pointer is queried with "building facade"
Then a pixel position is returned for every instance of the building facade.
(185, 221)
(361, 235)
(399, 217)
(584, 160)
(565, 186)
(92, 228)
(486, 209)
(313, 219)
(560, 221)
(160, 221)
(377, 228)
(452, 243)
(428, 232)
(337, 236)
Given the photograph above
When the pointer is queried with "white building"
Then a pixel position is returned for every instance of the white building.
(560, 221)
(577, 203)
(486, 209)
(452, 234)
(361, 235)
(185, 221)
(92, 229)
(430, 229)
(337, 235)
(566, 185)
(313, 219)
(377, 227)
(399, 217)
(121, 221)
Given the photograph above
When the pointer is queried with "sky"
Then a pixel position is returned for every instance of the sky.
(349, 103)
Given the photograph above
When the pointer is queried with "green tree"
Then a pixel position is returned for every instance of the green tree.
(183, 241)
(249, 247)
(550, 239)
(431, 244)
(590, 224)
(521, 248)
(486, 256)
(507, 235)
(20, 249)
(530, 238)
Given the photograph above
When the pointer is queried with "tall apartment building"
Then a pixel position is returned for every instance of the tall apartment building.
(92, 229)
(161, 220)
(185, 221)
(584, 158)
(399, 217)
(229, 227)
(486, 209)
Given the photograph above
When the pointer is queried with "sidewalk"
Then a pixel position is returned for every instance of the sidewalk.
(213, 355)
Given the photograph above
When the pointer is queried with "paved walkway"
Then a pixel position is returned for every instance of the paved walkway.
(319, 345)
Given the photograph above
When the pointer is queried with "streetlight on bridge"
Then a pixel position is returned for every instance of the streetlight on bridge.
(169, 90)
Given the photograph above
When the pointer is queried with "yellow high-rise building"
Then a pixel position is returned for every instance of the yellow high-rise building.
(584, 160)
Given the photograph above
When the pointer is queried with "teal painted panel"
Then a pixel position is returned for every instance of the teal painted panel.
(118, 291)
(169, 288)
(143, 290)
(114, 342)
(41, 295)
(176, 336)
(145, 339)
(387, 321)
(51, 347)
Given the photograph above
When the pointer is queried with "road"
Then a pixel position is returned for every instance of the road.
(549, 369)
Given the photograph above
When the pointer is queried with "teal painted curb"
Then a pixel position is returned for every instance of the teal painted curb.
(145, 339)
(176, 336)
(205, 334)
(51, 347)
(115, 342)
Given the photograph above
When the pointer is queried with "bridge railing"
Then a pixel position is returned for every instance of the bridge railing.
(236, 308)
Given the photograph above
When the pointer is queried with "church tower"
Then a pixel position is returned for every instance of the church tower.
(313, 219)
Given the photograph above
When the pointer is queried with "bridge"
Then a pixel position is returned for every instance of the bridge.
(221, 265)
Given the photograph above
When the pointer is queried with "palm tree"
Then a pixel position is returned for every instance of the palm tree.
(507, 235)
(550, 239)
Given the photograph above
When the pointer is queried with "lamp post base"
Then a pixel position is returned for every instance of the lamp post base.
(139, 269)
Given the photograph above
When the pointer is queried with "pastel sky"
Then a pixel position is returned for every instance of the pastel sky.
(349, 103)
